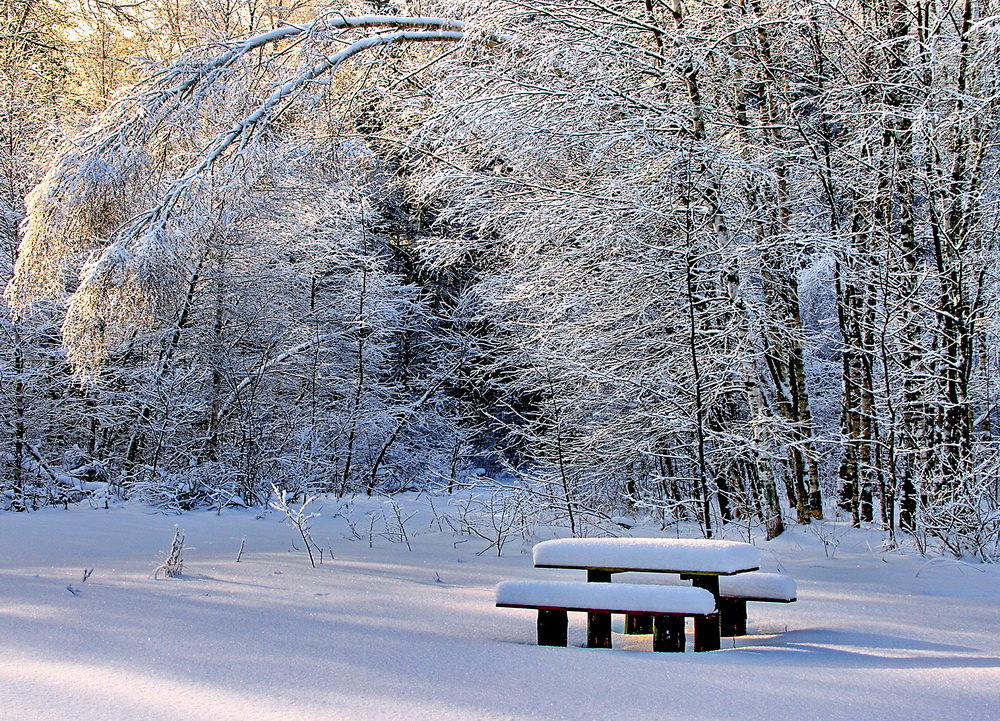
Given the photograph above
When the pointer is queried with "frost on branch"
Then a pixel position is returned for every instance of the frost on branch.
(120, 290)
(82, 199)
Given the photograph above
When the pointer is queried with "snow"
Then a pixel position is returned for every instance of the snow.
(756, 584)
(681, 555)
(383, 633)
(605, 596)
(776, 586)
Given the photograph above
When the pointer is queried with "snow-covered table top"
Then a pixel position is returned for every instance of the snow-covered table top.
(612, 597)
(661, 555)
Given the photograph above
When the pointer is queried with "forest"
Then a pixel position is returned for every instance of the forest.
(714, 261)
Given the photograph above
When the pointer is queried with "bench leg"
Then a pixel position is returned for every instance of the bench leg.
(706, 633)
(668, 633)
(598, 630)
(733, 616)
(552, 626)
(638, 623)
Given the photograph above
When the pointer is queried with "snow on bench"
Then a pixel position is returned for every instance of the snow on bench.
(759, 586)
(667, 555)
(753, 586)
(668, 607)
(606, 597)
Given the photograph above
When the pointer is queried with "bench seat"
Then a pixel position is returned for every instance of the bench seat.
(759, 586)
(734, 592)
(753, 586)
(606, 597)
(552, 599)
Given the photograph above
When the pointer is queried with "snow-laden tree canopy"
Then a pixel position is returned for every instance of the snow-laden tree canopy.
(122, 217)
(704, 258)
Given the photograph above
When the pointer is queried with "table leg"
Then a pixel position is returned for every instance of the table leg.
(598, 624)
(707, 630)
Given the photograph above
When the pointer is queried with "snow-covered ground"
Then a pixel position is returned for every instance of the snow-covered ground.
(383, 632)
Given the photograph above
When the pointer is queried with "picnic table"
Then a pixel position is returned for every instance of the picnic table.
(700, 561)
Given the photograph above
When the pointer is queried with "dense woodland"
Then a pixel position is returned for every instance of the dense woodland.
(724, 261)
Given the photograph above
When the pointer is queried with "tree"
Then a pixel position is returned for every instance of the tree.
(211, 362)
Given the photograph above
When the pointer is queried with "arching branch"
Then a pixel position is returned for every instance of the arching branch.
(136, 262)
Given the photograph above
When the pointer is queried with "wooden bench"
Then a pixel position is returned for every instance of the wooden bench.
(553, 599)
(734, 592)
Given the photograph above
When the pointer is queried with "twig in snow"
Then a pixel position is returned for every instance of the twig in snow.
(298, 518)
(173, 564)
